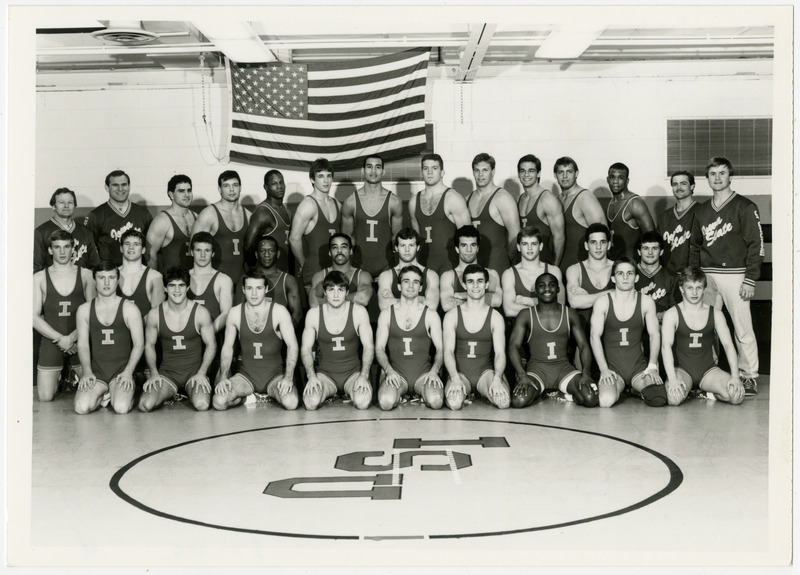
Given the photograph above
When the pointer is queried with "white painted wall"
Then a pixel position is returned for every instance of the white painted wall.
(89, 124)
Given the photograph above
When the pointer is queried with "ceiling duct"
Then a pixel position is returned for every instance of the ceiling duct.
(125, 32)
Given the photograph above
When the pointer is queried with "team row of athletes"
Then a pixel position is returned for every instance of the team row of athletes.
(471, 340)
(729, 248)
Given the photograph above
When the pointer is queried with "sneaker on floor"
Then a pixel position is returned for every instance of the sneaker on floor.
(250, 399)
(698, 393)
(106, 399)
(750, 386)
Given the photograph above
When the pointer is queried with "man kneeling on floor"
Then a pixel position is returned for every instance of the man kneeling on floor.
(110, 343)
(689, 328)
(406, 332)
(264, 330)
(471, 334)
(548, 326)
(183, 327)
(619, 322)
(338, 327)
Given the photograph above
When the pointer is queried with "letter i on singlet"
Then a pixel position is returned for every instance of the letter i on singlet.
(337, 344)
(551, 345)
(107, 333)
(371, 237)
(623, 336)
(178, 342)
(407, 344)
(428, 238)
(472, 345)
(64, 308)
(257, 350)
(695, 340)
(235, 246)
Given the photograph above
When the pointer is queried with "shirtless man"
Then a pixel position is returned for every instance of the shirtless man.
(264, 330)
(406, 332)
(58, 291)
(168, 236)
(675, 223)
(548, 326)
(654, 279)
(452, 285)
(541, 209)
(494, 213)
(407, 246)
(226, 220)
(137, 282)
(372, 216)
(519, 280)
(617, 342)
(340, 328)
(581, 209)
(690, 328)
(436, 213)
(281, 287)
(110, 344)
(84, 253)
(186, 334)
(471, 334)
(317, 218)
(360, 288)
(270, 218)
(628, 215)
(590, 279)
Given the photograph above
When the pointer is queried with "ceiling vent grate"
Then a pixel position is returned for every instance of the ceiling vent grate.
(127, 33)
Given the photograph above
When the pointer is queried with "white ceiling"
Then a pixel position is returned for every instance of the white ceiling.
(179, 43)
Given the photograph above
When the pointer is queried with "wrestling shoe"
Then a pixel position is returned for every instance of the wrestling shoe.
(750, 386)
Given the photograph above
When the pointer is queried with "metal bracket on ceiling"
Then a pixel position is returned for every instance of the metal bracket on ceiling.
(479, 39)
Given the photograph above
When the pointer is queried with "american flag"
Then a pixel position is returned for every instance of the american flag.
(290, 114)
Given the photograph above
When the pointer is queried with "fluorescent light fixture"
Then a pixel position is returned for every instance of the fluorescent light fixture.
(237, 40)
(567, 42)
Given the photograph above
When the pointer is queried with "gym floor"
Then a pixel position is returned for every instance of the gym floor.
(259, 484)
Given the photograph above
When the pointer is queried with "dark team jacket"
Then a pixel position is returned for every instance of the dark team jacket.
(728, 239)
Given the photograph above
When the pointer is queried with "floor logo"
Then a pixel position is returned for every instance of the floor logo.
(384, 485)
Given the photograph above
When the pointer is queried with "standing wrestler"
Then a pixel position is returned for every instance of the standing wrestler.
(168, 236)
(581, 209)
(360, 282)
(226, 220)
(589, 279)
(628, 215)
(137, 282)
(84, 253)
(264, 330)
(58, 291)
(548, 326)
(406, 246)
(471, 334)
(436, 213)
(281, 287)
(406, 332)
(372, 216)
(186, 334)
(690, 329)
(541, 209)
(317, 218)
(110, 220)
(519, 280)
(617, 342)
(728, 245)
(208, 286)
(340, 328)
(110, 344)
(270, 218)
(654, 279)
(452, 285)
(493, 212)
(675, 223)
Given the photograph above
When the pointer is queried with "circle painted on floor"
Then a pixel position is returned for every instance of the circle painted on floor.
(404, 478)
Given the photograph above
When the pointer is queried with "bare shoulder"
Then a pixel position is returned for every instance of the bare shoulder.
(550, 201)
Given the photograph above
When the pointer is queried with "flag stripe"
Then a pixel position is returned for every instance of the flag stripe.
(284, 113)
(391, 75)
(344, 161)
(332, 145)
(240, 127)
(334, 67)
(375, 93)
